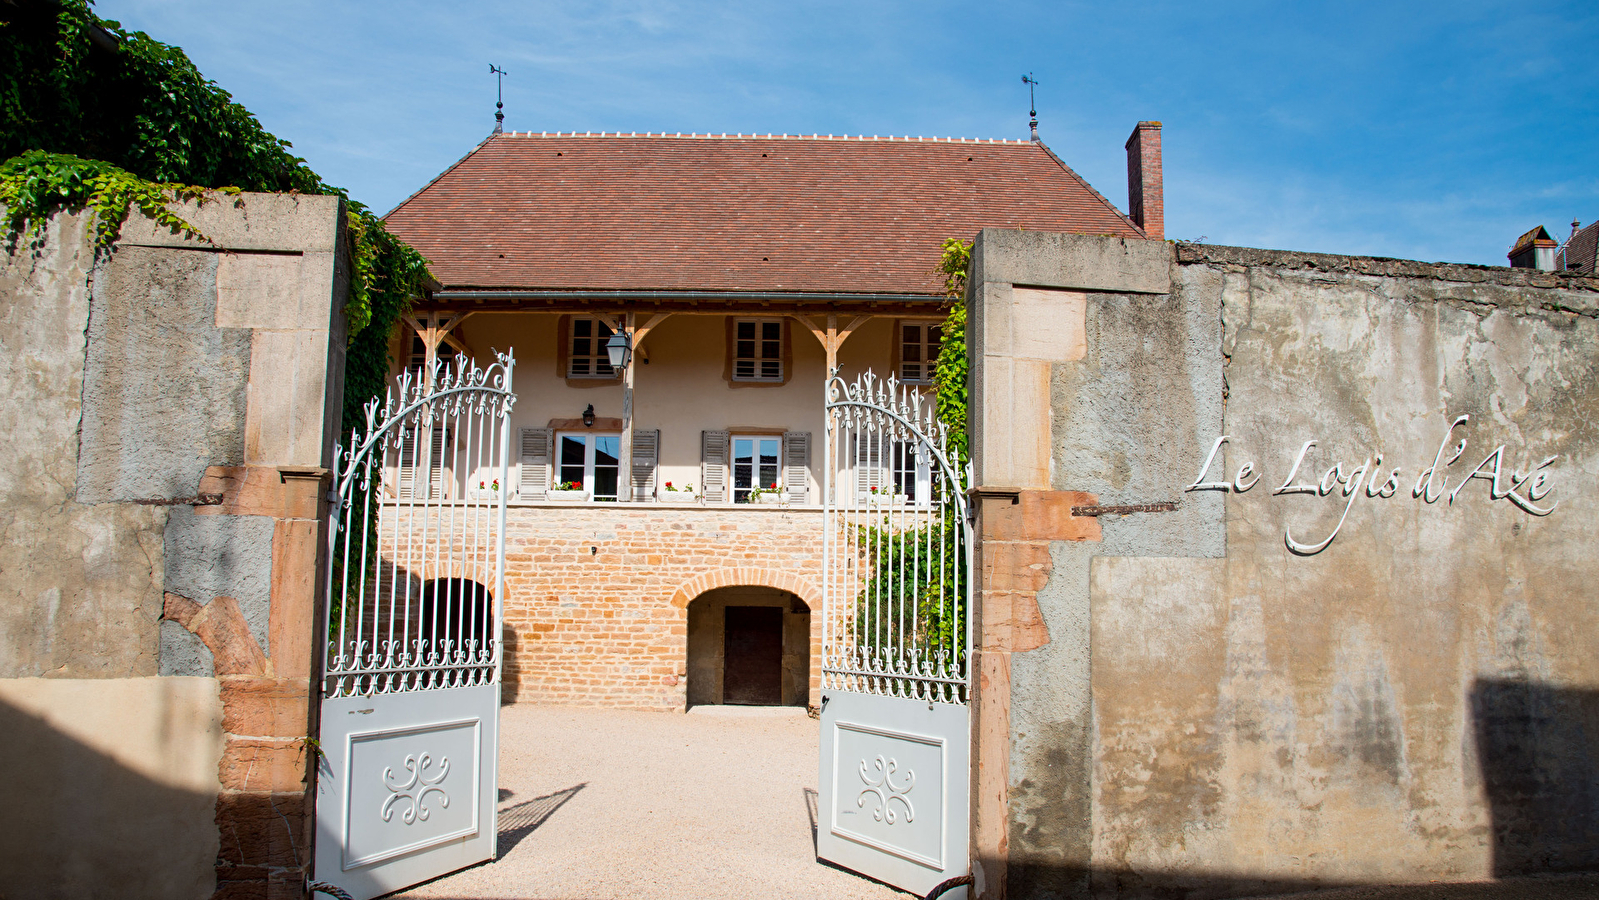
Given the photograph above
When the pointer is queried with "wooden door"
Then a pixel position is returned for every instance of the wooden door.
(752, 668)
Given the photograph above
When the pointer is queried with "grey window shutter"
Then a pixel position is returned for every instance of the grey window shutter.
(429, 465)
(796, 463)
(868, 463)
(646, 450)
(535, 459)
(437, 461)
(405, 472)
(713, 460)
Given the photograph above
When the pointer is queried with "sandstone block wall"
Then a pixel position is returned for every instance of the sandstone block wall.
(597, 597)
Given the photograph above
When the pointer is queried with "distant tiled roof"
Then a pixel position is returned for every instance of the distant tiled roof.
(733, 213)
(1581, 252)
(1537, 234)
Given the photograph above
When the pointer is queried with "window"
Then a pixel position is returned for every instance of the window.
(758, 350)
(918, 351)
(754, 465)
(587, 357)
(907, 475)
(590, 460)
(417, 363)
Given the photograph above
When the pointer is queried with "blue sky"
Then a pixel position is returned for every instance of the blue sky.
(1436, 131)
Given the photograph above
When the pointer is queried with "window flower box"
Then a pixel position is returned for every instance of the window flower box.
(486, 490)
(671, 493)
(568, 492)
(885, 498)
(767, 496)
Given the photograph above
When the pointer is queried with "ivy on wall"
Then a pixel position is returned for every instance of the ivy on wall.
(953, 367)
(95, 117)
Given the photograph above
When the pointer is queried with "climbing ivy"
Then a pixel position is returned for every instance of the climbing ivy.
(951, 370)
(96, 117)
(36, 184)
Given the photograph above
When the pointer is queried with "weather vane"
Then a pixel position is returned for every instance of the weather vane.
(1032, 106)
(499, 97)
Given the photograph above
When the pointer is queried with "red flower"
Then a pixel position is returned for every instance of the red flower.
(668, 484)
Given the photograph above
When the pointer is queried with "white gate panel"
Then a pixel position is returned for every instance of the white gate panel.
(895, 769)
(407, 786)
(410, 781)
(895, 773)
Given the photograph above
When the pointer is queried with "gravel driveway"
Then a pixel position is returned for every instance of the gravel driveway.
(603, 804)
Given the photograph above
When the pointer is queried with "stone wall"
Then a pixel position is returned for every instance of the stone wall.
(170, 404)
(1267, 675)
(597, 596)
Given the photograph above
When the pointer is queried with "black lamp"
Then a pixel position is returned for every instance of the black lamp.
(588, 417)
(618, 349)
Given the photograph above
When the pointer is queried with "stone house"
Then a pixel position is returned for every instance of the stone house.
(741, 269)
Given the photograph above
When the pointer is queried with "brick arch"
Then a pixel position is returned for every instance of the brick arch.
(748, 576)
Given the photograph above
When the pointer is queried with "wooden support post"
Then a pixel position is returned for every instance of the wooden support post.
(624, 490)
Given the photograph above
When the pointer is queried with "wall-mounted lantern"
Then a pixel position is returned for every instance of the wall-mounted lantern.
(588, 417)
(619, 349)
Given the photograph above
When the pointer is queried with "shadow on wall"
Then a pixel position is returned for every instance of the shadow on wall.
(1539, 750)
(1537, 746)
(79, 823)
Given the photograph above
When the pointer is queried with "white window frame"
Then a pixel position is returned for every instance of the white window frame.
(557, 461)
(761, 367)
(735, 491)
(597, 362)
(925, 348)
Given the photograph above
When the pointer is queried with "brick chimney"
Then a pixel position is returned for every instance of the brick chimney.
(1146, 205)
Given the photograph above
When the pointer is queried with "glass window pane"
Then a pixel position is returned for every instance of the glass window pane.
(607, 450)
(772, 368)
(771, 349)
(772, 331)
(605, 483)
(582, 327)
(746, 349)
(769, 450)
(745, 330)
(573, 449)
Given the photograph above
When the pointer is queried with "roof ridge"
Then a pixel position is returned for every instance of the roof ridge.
(772, 136)
(435, 180)
(1091, 189)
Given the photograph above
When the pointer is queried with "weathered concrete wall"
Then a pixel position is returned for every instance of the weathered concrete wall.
(172, 402)
(1229, 704)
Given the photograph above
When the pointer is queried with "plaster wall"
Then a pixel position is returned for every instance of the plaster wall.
(682, 390)
(132, 762)
(1215, 713)
(140, 376)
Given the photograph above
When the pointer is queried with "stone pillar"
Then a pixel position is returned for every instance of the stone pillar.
(1020, 338)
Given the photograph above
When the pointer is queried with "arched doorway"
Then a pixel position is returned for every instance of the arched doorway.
(455, 610)
(749, 646)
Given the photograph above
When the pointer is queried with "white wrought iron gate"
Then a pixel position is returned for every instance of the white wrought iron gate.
(407, 782)
(896, 661)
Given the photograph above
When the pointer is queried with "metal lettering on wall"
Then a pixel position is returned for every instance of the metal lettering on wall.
(1526, 489)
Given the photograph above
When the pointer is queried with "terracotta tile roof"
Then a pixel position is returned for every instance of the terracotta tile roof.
(733, 213)
(1581, 251)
